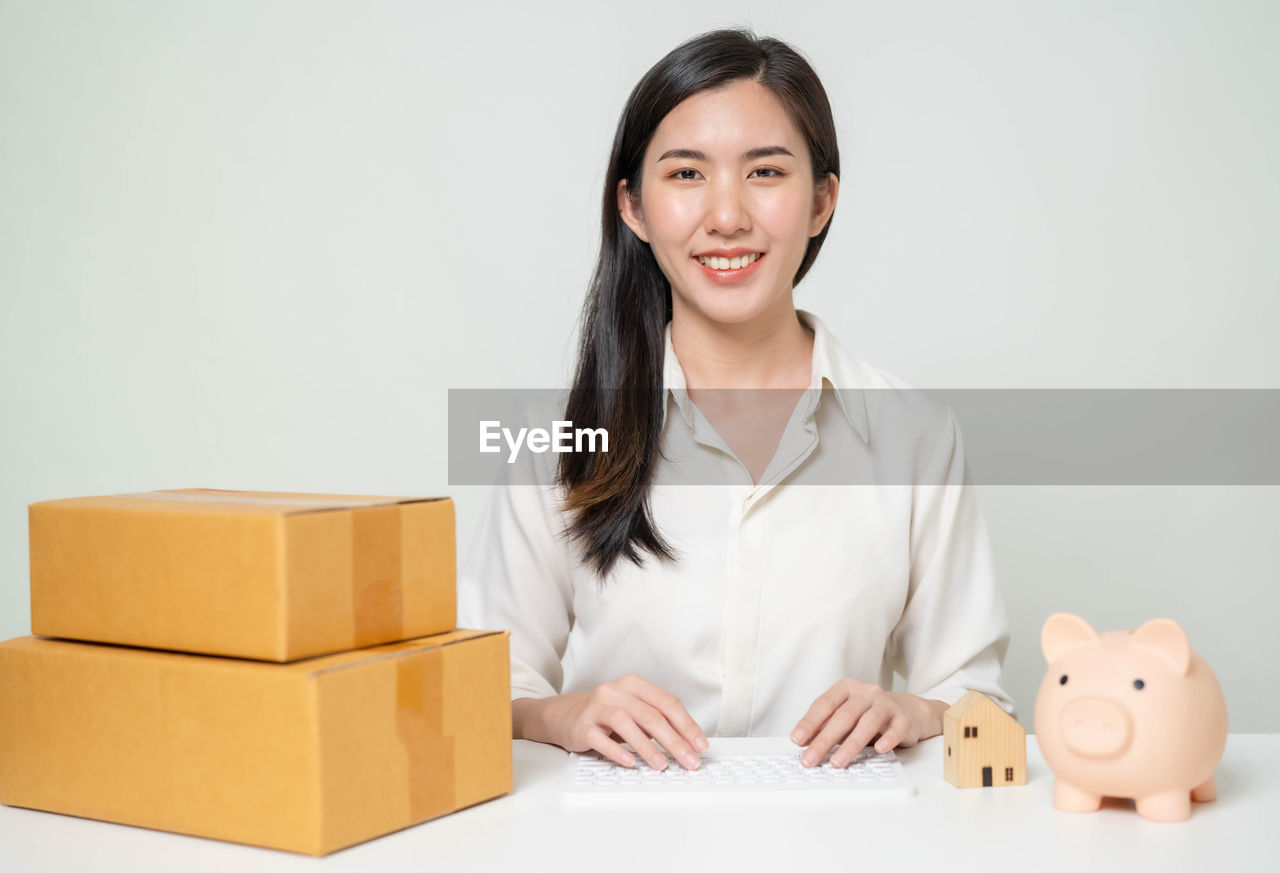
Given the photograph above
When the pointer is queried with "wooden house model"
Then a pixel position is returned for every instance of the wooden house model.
(984, 746)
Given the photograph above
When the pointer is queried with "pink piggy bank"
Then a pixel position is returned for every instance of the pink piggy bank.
(1128, 714)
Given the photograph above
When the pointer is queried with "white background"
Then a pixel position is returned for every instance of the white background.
(251, 245)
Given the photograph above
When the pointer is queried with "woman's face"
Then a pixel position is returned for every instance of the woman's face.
(727, 175)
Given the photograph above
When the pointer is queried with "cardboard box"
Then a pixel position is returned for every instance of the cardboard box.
(246, 574)
(312, 756)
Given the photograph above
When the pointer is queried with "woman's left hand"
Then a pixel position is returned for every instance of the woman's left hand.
(852, 713)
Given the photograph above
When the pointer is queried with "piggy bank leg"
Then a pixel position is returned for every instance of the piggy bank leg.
(1166, 806)
(1068, 798)
(1205, 792)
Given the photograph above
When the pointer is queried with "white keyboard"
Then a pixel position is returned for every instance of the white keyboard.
(738, 768)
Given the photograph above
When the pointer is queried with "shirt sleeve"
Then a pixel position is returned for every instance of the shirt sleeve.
(954, 632)
(516, 577)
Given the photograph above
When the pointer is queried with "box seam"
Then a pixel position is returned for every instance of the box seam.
(284, 645)
(317, 765)
(358, 507)
(394, 655)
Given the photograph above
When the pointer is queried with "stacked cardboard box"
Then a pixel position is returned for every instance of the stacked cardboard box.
(275, 669)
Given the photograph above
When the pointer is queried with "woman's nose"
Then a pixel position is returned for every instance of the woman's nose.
(726, 209)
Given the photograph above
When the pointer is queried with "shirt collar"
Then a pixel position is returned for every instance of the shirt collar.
(832, 366)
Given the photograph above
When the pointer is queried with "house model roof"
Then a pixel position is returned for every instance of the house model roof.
(973, 701)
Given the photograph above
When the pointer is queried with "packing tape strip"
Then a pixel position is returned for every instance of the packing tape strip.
(377, 593)
(420, 703)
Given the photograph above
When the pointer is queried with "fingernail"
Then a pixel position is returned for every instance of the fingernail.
(702, 744)
(837, 760)
(659, 762)
(628, 761)
(796, 735)
(807, 759)
(691, 761)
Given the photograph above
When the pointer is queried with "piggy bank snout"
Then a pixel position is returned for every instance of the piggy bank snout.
(1096, 727)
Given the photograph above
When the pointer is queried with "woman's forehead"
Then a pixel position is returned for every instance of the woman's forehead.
(726, 122)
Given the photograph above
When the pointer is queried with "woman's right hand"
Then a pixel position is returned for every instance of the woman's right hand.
(630, 709)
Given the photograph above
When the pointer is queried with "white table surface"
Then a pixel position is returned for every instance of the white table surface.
(530, 830)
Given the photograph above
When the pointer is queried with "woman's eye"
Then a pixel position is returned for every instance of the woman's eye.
(770, 170)
(680, 174)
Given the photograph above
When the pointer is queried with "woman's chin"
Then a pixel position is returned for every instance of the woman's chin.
(726, 306)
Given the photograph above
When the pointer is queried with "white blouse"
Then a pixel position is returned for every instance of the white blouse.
(780, 588)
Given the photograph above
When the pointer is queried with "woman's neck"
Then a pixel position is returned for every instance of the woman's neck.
(773, 352)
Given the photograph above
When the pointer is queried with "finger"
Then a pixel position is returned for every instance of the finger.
(655, 722)
(674, 713)
(597, 739)
(819, 712)
(872, 722)
(835, 730)
(622, 722)
(894, 735)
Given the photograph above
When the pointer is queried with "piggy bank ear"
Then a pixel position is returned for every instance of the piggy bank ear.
(1064, 632)
(1168, 638)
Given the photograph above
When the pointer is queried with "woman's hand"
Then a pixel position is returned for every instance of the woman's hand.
(631, 710)
(852, 713)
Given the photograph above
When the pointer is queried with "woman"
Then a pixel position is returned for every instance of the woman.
(644, 608)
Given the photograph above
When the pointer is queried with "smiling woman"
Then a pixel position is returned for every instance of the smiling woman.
(726, 148)
(643, 608)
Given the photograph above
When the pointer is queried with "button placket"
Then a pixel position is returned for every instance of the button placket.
(733, 518)
(742, 624)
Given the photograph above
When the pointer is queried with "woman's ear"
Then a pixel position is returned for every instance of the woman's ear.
(824, 203)
(629, 209)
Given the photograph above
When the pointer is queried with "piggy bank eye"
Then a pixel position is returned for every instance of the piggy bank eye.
(1063, 680)
(1139, 684)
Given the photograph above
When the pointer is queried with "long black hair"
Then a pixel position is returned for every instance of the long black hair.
(618, 383)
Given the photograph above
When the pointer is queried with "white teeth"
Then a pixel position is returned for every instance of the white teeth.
(729, 263)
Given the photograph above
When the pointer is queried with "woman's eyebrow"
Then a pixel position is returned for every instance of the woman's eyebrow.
(748, 155)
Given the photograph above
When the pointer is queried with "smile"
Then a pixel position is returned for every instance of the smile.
(730, 263)
(729, 271)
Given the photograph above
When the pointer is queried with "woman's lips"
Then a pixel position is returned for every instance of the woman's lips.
(729, 277)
